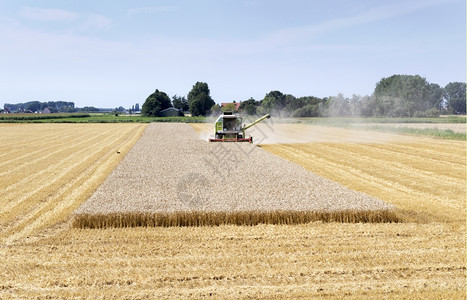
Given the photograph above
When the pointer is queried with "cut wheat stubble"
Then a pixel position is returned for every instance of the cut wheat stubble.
(173, 178)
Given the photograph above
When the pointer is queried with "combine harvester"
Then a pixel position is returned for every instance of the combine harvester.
(229, 128)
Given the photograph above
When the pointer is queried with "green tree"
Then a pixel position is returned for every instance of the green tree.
(199, 99)
(88, 109)
(274, 101)
(338, 106)
(249, 107)
(67, 109)
(309, 110)
(33, 106)
(180, 103)
(156, 102)
(366, 104)
(454, 93)
(229, 107)
(309, 106)
(216, 110)
(435, 97)
(53, 109)
(405, 95)
(354, 104)
(285, 105)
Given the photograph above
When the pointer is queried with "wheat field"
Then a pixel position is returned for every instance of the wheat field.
(49, 170)
(424, 178)
(173, 178)
(420, 258)
(316, 260)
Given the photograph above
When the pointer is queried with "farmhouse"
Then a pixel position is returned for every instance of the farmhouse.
(171, 112)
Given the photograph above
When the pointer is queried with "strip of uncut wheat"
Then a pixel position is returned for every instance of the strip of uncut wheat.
(173, 178)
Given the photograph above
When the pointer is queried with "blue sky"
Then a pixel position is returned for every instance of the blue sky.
(116, 53)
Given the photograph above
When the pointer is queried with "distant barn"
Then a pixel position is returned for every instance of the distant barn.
(171, 112)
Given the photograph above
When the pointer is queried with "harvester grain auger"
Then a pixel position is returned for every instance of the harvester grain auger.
(229, 128)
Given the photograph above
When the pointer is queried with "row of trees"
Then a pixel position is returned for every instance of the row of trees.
(199, 102)
(413, 96)
(395, 96)
(53, 106)
(33, 106)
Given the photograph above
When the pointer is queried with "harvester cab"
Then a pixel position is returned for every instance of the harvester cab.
(229, 128)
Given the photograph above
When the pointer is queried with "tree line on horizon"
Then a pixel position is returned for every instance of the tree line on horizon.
(394, 96)
(60, 107)
(34, 106)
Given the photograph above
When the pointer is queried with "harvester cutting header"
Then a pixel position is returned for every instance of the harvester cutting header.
(229, 128)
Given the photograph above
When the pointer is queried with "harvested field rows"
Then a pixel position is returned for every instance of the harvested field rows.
(173, 178)
(48, 170)
(316, 260)
(424, 178)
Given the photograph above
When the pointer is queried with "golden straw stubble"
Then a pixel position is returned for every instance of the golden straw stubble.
(48, 170)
